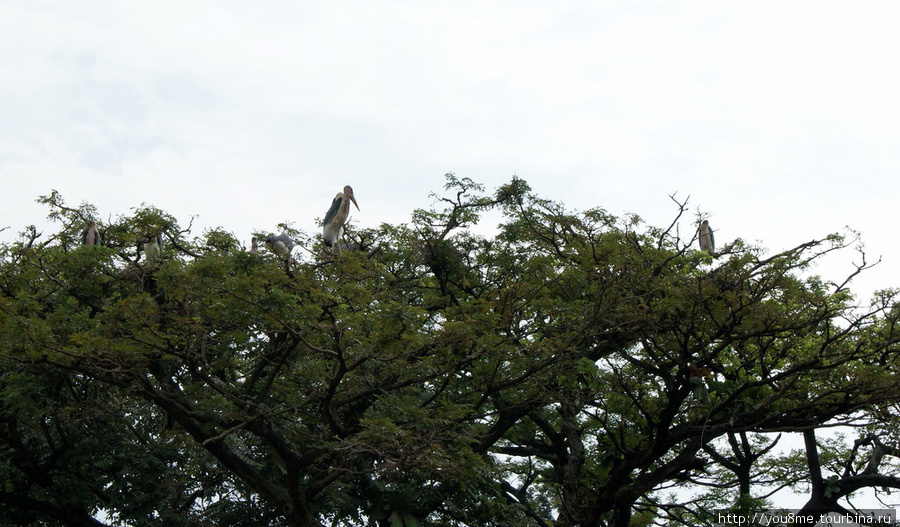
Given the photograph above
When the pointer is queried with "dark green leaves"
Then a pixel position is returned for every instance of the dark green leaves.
(562, 372)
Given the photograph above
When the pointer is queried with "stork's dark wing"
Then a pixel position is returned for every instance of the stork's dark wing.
(286, 240)
(90, 234)
(335, 205)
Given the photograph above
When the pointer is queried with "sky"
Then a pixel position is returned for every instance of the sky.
(778, 120)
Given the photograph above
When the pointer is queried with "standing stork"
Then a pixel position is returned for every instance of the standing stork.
(336, 217)
(90, 235)
(707, 240)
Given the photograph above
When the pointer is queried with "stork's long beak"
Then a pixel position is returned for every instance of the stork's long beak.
(353, 199)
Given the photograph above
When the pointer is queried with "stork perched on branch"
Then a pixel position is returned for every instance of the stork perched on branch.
(90, 235)
(280, 245)
(152, 247)
(336, 217)
(707, 240)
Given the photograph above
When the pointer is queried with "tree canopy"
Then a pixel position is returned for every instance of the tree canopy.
(575, 369)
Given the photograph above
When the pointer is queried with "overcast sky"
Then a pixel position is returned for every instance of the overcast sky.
(778, 119)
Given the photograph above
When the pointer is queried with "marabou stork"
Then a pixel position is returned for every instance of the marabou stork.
(90, 235)
(336, 217)
(152, 247)
(281, 244)
(707, 240)
(254, 245)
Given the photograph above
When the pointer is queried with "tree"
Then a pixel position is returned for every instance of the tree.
(568, 371)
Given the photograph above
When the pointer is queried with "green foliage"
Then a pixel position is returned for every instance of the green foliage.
(565, 372)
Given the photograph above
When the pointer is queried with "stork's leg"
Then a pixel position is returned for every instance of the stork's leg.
(336, 248)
